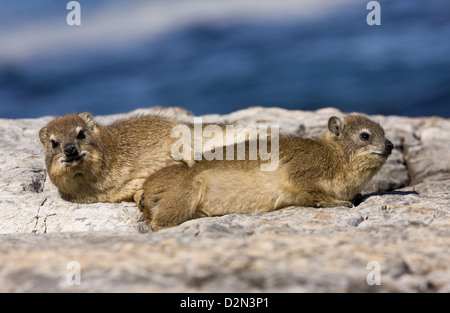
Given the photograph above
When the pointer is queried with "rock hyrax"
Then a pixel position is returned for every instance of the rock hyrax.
(326, 171)
(89, 162)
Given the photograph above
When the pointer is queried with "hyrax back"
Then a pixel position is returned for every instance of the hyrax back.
(89, 162)
(320, 172)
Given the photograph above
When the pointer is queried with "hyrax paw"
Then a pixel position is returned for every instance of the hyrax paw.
(347, 204)
(141, 205)
(138, 196)
(335, 203)
(340, 203)
(155, 227)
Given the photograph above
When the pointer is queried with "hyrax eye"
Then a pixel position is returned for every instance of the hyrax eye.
(364, 136)
(81, 135)
(55, 144)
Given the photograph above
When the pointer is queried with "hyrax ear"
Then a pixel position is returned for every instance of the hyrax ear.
(43, 136)
(335, 125)
(88, 119)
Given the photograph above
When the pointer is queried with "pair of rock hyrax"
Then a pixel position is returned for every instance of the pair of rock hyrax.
(132, 159)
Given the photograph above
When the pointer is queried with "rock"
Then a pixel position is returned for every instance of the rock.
(401, 225)
(426, 153)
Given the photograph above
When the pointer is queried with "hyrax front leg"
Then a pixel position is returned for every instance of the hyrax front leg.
(138, 196)
(320, 199)
(327, 203)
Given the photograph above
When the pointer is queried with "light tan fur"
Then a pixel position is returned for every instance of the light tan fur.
(320, 172)
(115, 159)
(111, 163)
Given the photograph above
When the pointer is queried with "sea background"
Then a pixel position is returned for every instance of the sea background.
(219, 56)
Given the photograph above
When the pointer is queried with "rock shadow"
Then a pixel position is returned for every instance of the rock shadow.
(361, 198)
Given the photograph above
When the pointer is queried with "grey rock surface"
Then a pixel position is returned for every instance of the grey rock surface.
(402, 224)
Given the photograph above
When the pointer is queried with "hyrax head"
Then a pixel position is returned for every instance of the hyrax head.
(361, 136)
(69, 141)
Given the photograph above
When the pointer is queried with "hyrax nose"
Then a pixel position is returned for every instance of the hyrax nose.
(388, 145)
(70, 150)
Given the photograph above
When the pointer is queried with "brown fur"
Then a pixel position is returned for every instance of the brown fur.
(116, 158)
(320, 172)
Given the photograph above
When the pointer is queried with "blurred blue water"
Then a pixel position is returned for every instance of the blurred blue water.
(401, 67)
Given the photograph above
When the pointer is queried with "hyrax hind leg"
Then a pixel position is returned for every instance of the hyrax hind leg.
(170, 197)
